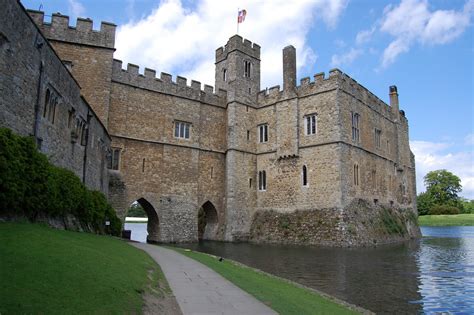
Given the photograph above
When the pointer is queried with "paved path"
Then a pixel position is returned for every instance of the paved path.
(200, 290)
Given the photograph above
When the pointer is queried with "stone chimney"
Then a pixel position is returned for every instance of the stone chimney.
(289, 68)
(394, 102)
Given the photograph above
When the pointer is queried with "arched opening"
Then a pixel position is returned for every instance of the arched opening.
(207, 221)
(142, 220)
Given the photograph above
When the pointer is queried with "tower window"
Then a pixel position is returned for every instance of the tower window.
(311, 124)
(248, 135)
(224, 75)
(263, 133)
(262, 181)
(356, 175)
(355, 127)
(247, 68)
(305, 176)
(113, 159)
(181, 129)
(377, 136)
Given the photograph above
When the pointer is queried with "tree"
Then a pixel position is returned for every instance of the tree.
(442, 188)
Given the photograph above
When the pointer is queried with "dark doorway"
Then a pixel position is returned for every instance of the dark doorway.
(207, 221)
(140, 210)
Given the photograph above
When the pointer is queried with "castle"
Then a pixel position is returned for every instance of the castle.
(323, 162)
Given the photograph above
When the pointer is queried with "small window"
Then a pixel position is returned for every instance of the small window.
(311, 124)
(262, 181)
(263, 133)
(355, 127)
(113, 159)
(224, 75)
(70, 119)
(388, 146)
(356, 175)
(305, 176)
(377, 137)
(84, 134)
(46, 103)
(247, 68)
(250, 183)
(212, 172)
(182, 129)
(248, 135)
(143, 166)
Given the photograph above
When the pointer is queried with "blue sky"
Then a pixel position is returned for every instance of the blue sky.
(426, 48)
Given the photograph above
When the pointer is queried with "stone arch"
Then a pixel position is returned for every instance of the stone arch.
(208, 221)
(153, 225)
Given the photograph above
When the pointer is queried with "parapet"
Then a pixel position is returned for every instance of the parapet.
(236, 42)
(165, 84)
(83, 33)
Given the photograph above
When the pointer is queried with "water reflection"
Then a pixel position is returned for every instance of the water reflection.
(434, 274)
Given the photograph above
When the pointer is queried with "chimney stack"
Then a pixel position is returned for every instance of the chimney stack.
(289, 68)
(394, 102)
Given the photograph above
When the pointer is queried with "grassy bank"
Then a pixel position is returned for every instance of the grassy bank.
(45, 271)
(446, 220)
(282, 296)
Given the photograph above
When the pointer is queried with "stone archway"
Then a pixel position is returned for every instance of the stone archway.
(207, 222)
(153, 225)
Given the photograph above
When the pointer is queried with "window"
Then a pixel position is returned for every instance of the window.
(248, 135)
(84, 134)
(377, 136)
(311, 123)
(355, 127)
(50, 104)
(224, 75)
(250, 183)
(46, 102)
(388, 146)
(181, 129)
(263, 133)
(70, 120)
(356, 175)
(247, 68)
(305, 176)
(113, 159)
(262, 181)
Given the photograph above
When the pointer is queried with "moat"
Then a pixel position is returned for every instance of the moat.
(432, 275)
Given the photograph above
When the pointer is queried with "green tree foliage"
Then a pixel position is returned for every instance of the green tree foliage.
(442, 188)
(468, 205)
(137, 211)
(30, 185)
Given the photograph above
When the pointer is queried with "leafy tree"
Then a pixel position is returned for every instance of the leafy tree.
(137, 211)
(424, 202)
(468, 205)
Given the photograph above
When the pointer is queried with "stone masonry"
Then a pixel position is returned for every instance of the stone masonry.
(323, 162)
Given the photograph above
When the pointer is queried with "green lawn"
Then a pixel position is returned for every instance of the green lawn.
(43, 270)
(446, 220)
(282, 296)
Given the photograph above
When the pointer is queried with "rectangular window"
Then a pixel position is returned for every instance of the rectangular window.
(224, 75)
(355, 127)
(182, 129)
(377, 137)
(113, 159)
(248, 135)
(262, 181)
(247, 68)
(311, 124)
(263, 133)
(356, 175)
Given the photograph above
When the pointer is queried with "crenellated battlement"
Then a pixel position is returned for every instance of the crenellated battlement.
(236, 42)
(165, 84)
(83, 33)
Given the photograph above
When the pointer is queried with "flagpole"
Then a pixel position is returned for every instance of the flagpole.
(238, 11)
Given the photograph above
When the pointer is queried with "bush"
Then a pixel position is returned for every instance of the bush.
(30, 185)
(444, 209)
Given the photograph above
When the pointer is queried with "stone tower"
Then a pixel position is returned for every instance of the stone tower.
(238, 72)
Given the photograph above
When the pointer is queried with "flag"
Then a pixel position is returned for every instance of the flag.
(241, 16)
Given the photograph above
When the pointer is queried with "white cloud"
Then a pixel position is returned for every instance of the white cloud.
(469, 139)
(76, 9)
(345, 59)
(413, 22)
(182, 41)
(430, 156)
(365, 36)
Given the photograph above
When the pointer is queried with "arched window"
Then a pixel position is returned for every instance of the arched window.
(262, 181)
(247, 68)
(305, 176)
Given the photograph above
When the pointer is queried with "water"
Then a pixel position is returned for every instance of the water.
(139, 232)
(431, 275)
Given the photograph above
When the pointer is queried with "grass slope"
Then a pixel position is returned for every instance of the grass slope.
(43, 270)
(281, 296)
(447, 220)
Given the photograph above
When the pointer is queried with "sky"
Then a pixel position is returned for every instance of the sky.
(425, 47)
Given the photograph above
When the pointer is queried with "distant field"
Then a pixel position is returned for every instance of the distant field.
(47, 271)
(446, 220)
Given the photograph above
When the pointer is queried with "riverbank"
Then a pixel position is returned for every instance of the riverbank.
(447, 220)
(285, 297)
(45, 271)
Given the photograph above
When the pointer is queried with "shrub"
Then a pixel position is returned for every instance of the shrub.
(444, 209)
(30, 185)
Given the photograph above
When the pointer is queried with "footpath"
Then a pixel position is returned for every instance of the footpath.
(200, 290)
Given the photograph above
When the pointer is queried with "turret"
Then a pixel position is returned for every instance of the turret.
(394, 102)
(289, 68)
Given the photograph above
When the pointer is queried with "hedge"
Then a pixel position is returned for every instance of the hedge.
(31, 186)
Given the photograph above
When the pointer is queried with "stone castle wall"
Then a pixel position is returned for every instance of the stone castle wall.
(31, 73)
